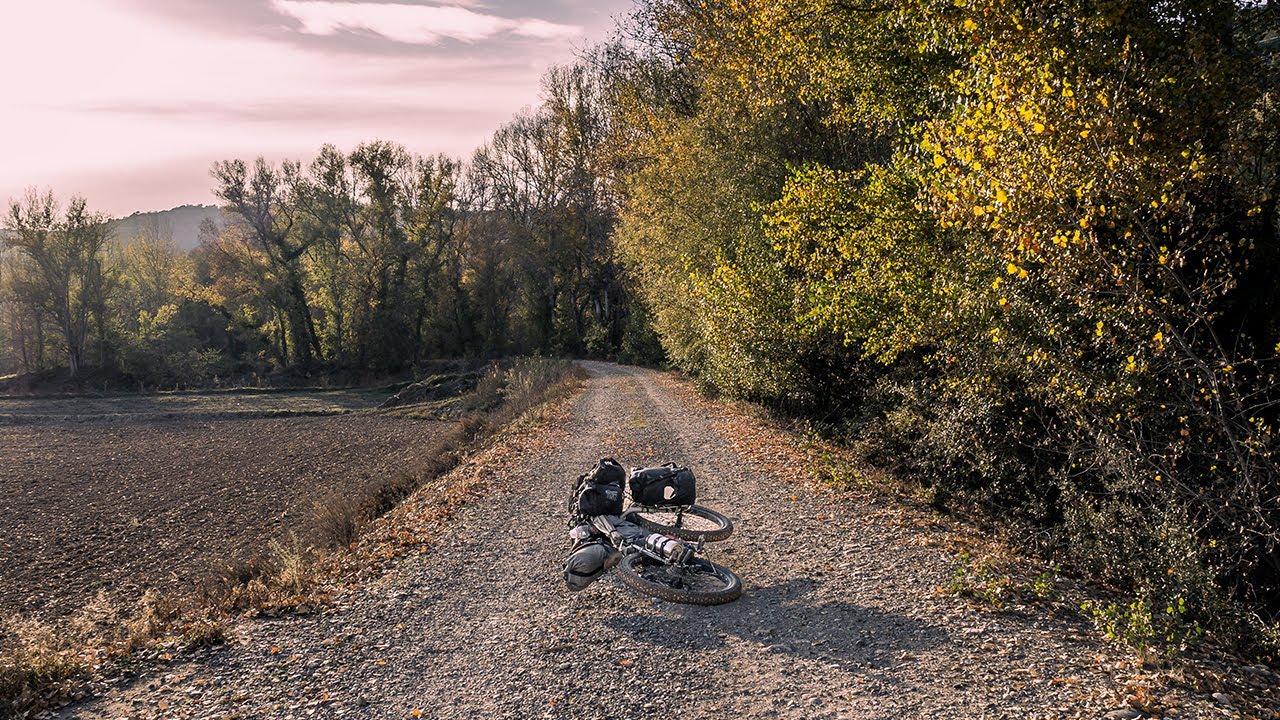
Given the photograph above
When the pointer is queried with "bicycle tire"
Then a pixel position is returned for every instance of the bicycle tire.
(710, 525)
(701, 582)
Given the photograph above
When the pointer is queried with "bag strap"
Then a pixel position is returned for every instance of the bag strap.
(578, 486)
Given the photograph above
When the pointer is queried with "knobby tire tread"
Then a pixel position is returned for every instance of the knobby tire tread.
(632, 579)
(725, 529)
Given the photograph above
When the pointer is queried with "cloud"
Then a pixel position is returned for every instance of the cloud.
(102, 89)
(301, 114)
(416, 24)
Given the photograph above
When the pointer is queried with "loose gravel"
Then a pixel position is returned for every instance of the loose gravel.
(842, 617)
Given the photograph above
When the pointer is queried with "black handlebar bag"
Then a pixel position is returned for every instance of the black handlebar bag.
(608, 472)
(599, 492)
(663, 486)
(599, 499)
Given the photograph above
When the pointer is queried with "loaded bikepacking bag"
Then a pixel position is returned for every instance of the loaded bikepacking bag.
(587, 563)
(599, 492)
(663, 486)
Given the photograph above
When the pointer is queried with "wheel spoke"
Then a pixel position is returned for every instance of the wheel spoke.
(693, 522)
(699, 582)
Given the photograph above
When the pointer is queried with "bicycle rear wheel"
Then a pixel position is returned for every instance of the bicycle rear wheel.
(692, 523)
(701, 582)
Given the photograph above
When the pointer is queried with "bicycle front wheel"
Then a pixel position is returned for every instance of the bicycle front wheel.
(692, 523)
(700, 582)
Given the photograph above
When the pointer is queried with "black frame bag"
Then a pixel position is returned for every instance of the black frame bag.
(663, 486)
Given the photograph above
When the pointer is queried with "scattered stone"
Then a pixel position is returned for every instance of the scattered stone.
(434, 388)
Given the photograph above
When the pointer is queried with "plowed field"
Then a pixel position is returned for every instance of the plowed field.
(126, 494)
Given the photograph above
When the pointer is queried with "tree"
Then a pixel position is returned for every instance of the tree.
(262, 201)
(330, 198)
(543, 180)
(21, 320)
(430, 217)
(1018, 247)
(65, 250)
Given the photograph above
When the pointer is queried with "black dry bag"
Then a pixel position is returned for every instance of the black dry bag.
(663, 486)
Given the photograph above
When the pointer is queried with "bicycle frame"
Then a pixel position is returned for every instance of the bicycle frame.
(604, 525)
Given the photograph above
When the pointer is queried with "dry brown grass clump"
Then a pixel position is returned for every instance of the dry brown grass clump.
(42, 663)
(35, 663)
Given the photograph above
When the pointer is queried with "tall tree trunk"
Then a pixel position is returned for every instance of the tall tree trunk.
(39, 342)
(282, 336)
(339, 324)
(302, 329)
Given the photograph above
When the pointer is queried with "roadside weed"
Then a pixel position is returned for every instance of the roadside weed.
(1151, 630)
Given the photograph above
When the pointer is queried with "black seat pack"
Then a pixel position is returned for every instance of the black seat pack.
(662, 486)
(599, 492)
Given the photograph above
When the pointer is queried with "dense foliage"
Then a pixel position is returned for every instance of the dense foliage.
(1023, 251)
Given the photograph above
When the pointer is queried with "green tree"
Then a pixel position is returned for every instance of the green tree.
(1019, 246)
(261, 201)
(24, 321)
(333, 220)
(65, 250)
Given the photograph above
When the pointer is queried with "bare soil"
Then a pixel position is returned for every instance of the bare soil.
(243, 403)
(157, 492)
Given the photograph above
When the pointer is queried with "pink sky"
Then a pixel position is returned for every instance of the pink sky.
(128, 102)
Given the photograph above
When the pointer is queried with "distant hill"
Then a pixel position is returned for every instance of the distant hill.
(180, 223)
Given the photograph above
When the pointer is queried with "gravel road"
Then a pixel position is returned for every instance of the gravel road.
(840, 619)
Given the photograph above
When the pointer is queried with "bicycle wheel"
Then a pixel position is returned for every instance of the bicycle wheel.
(692, 523)
(701, 582)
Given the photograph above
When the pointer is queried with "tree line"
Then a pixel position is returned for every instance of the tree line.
(371, 261)
(1025, 252)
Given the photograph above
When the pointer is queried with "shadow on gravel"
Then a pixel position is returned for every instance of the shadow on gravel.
(782, 619)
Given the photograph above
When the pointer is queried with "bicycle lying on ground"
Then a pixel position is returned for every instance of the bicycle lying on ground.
(669, 568)
(655, 542)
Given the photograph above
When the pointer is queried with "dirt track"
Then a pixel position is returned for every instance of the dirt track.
(841, 618)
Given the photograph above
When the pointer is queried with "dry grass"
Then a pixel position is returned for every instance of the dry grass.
(35, 665)
(337, 519)
(288, 577)
(41, 663)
